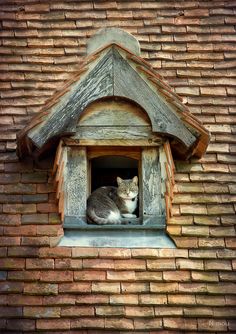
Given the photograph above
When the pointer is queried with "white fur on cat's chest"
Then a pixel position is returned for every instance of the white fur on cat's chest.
(131, 204)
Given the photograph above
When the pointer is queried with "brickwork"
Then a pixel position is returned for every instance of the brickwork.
(86, 291)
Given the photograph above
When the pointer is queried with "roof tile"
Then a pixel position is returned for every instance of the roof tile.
(191, 44)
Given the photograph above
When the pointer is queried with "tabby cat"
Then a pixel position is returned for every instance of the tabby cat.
(108, 205)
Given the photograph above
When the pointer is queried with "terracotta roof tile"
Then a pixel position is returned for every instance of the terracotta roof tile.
(191, 44)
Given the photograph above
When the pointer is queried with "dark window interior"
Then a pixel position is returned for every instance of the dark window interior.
(104, 170)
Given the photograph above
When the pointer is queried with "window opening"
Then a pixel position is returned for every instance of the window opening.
(105, 169)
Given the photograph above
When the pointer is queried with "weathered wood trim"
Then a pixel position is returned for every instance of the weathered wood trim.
(169, 155)
(73, 184)
(151, 181)
(112, 76)
(113, 112)
(112, 142)
(61, 205)
(117, 132)
(97, 84)
(163, 159)
(108, 36)
(61, 184)
(57, 157)
(163, 118)
(76, 182)
(168, 181)
(130, 152)
(59, 178)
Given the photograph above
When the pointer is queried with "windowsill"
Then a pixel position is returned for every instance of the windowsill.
(117, 239)
(149, 235)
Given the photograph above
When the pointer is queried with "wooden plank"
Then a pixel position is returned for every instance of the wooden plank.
(75, 181)
(168, 208)
(57, 176)
(89, 176)
(107, 36)
(61, 173)
(167, 176)
(116, 132)
(61, 205)
(59, 180)
(130, 152)
(168, 173)
(58, 157)
(169, 155)
(60, 164)
(128, 83)
(112, 142)
(163, 161)
(97, 84)
(151, 182)
(111, 112)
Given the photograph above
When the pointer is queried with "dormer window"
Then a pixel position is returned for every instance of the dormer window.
(116, 117)
(113, 138)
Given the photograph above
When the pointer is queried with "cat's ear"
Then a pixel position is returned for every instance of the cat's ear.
(135, 180)
(119, 180)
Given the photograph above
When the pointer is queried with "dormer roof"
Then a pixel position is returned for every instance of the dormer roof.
(113, 70)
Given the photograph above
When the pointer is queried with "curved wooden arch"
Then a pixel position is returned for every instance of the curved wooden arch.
(123, 110)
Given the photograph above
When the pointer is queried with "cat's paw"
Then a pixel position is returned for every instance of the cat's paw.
(129, 215)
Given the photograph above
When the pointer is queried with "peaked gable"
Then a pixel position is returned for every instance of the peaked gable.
(113, 71)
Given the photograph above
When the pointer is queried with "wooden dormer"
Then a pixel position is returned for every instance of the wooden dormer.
(116, 106)
(113, 70)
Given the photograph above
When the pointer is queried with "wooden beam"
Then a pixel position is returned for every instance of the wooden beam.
(113, 112)
(113, 142)
(151, 182)
(128, 83)
(75, 182)
(97, 84)
(98, 151)
(116, 132)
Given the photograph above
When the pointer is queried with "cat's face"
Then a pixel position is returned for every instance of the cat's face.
(127, 189)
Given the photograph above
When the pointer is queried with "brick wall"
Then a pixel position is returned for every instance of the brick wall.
(74, 290)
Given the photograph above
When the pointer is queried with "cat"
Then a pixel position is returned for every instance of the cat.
(108, 205)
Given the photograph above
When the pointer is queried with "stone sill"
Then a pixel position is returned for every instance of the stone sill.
(126, 238)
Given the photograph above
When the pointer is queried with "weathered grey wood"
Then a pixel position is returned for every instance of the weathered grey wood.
(113, 142)
(61, 162)
(119, 132)
(128, 83)
(151, 183)
(152, 220)
(113, 113)
(97, 84)
(108, 36)
(167, 175)
(75, 181)
(163, 161)
(111, 76)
